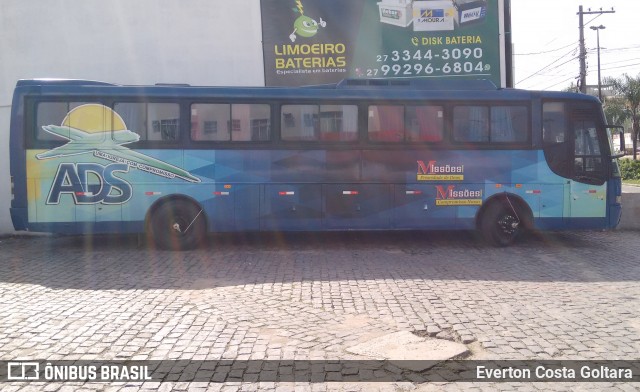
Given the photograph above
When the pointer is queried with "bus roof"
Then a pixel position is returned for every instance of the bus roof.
(390, 88)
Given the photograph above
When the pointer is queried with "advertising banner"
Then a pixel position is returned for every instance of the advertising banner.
(324, 41)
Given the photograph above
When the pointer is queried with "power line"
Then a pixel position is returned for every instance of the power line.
(550, 64)
(621, 66)
(566, 80)
(548, 51)
(552, 80)
(632, 48)
(620, 61)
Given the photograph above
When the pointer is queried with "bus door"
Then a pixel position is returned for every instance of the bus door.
(588, 194)
(573, 150)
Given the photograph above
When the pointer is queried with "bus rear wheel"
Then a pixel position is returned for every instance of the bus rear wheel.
(177, 225)
(500, 224)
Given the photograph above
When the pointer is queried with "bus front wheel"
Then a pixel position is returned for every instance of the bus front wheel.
(500, 224)
(177, 225)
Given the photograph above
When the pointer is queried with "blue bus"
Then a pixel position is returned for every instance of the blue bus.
(177, 162)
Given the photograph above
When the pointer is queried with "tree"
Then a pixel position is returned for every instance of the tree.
(628, 89)
(573, 88)
(616, 113)
(615, 110)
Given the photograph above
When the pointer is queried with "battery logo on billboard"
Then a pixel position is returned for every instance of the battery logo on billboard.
(432, 13)
(473, 14)
(393, 14)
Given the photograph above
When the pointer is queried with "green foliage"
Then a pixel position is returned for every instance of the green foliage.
(629, 169)
(616, 112)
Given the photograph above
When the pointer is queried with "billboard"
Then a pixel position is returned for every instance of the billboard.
(324, 41)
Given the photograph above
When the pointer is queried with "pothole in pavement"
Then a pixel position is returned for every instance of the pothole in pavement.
(444, 334)
(417, 352)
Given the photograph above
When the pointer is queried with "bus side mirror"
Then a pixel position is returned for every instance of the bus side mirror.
(622, 147)
(621, 139)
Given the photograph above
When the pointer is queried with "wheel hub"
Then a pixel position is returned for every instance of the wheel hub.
(508, 224)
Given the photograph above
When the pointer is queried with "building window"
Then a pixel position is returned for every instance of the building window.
(210, 127)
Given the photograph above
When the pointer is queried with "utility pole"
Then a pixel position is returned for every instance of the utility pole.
(583, 51)
(597, 29)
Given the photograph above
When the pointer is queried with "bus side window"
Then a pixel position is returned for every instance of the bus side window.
(509, 124)
(338, 122)
(300, 122)
(329, 123)
(151, 121)
(386, 123)
(588, 160)
(424, 123)
(62, 114)
(556, 145)
(134, 116)
(209, 122)
(251, 122)
(554, 123)
(471, 124)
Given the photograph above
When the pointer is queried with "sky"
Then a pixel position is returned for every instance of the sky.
(546, 35)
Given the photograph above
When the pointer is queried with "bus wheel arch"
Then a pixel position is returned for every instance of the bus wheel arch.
(176, 222)
(503, 218)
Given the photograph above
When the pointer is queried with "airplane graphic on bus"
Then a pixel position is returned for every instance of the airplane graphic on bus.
(110, 148)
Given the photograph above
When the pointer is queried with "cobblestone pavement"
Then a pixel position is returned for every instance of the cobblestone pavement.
(553, 296)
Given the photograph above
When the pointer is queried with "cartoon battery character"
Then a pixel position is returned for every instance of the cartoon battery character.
(304, 26)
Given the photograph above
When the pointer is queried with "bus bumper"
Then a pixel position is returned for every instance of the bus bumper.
(19, 218)
(615, 202)
(615, 213)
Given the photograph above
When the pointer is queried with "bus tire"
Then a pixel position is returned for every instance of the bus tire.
(500, 225)
(177, 225)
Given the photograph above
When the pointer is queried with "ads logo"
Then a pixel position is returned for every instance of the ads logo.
(90, 183)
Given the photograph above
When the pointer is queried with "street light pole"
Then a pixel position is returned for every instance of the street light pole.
(597, 29)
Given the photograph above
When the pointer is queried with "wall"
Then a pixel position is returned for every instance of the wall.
(200, 42)
(630, 210)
